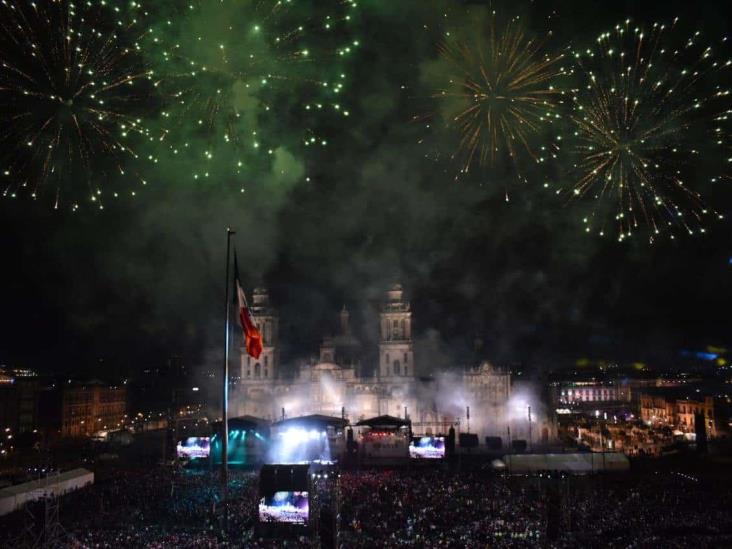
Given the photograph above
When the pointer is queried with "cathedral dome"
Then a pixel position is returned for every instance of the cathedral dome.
(261, 296)
(395, 293)
(326, 366)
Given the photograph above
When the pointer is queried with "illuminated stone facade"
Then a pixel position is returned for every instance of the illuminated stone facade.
(338, 383)
(678, 411)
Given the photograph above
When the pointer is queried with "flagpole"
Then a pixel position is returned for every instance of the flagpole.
(225, 392)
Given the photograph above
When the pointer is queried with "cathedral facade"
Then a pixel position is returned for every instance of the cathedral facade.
(339, 383)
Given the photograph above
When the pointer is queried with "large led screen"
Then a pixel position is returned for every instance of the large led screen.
(427, 448)
(290, 507)
(194, 447)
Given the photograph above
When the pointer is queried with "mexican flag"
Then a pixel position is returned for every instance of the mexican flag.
(252, 336)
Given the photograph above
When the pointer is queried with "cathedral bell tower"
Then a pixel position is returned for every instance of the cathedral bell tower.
(267, 321)
(396, 357)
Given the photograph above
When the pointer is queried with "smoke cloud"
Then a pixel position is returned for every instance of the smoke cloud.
(513, 282)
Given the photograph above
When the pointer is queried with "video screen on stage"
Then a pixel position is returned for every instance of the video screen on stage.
(194, 447)
(289, 507)
(427, 448)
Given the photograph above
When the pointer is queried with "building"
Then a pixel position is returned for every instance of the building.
(579, 392)
(89, 408)
(677, 408)
(18, 400)
(618, 392)
(343, 381)
(657, 409)
(687, 408)
(633, 439)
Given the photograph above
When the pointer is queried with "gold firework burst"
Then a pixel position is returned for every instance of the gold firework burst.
(501, 93)
(73, 90)
(641, 122)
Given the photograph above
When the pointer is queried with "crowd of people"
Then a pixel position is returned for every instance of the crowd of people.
(174, 508)
(435, 508)
(660, 509)
(161, 508)
(157, 507)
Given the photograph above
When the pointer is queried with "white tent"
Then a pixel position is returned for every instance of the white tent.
(571, 463)
(14, 497)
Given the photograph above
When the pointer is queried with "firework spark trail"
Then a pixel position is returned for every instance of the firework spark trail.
(635, 124)
(501, 93)
(228, 66)
(71, 98)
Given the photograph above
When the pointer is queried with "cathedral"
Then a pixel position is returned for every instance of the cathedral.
(340, 384)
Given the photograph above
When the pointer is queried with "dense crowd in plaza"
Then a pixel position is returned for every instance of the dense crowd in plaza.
(651, 510)
(156, 507)
(475, 509)
(432, 507)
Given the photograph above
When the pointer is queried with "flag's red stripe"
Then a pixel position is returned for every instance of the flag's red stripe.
(252, 337)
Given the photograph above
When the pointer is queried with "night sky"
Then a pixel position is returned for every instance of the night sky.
(514, 281)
